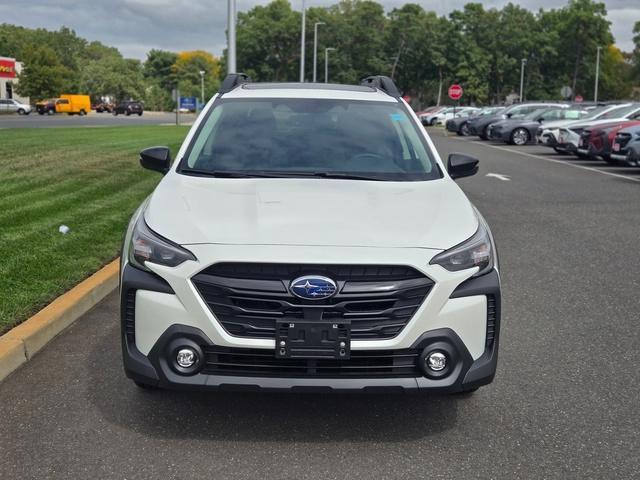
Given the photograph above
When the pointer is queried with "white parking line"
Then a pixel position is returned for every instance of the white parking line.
(582, 167)
(499, 176)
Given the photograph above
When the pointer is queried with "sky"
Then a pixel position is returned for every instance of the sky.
(137, 26)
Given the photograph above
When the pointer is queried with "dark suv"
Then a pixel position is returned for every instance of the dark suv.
(128, 108)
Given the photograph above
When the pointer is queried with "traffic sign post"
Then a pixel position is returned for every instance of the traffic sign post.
(455, 93)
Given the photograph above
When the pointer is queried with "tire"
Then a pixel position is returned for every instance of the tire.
(82, 113)
(115, 113)
(520, 136)
(484, 135)
(561, 152)
(464, 130)
(140, 114)
(21, 111)
(128, 113)
(433, 122)
(50, 112)
(40, 112)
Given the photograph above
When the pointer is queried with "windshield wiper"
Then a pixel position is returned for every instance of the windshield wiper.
(344, 176)
(228, 173)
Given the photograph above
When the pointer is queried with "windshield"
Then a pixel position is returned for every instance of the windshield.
(310, 137)
(535, 114)
(620, 112)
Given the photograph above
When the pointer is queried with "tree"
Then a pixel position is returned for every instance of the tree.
(43, 74)
(185, 73)
(157, 67)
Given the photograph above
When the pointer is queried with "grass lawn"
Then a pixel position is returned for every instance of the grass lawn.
(86, 178)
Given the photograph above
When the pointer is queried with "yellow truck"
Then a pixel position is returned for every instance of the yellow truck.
(70, 104)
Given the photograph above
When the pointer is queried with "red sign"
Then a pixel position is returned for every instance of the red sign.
(455, 92)
(578, 98)
(8, 68)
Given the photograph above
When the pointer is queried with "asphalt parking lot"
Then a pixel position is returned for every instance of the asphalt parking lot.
(91, 120)
(564, 404)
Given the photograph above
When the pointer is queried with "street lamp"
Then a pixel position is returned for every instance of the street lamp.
(315, 49)
(202, 72)
(522, 64)
(326, 63)
(231, 36)
(595, 94)
(304, 22)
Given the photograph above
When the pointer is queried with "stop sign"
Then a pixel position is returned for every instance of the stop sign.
(578, 98)
(455, 92)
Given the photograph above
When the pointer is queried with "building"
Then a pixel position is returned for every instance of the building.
(9, 71)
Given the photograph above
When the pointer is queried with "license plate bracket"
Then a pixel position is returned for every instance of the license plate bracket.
(313, 339)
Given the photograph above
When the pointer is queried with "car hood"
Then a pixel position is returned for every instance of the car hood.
(595, 123)
(431, 214)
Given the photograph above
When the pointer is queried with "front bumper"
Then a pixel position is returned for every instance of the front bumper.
(152, 325)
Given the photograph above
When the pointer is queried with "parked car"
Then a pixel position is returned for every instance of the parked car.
(128, 108)
(308, 262)
(426, 117)
(47, 106)
(597, 141)
(520, 131)
(101, 107)
(460, 125)
(549, 134)
(10, 105)
(479, 125)
(439, 116)
(570, 136)
(464, 112)
(626, 146)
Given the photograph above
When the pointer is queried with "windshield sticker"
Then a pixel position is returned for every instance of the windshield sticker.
(397, 117)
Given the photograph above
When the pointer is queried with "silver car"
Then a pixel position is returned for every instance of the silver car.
(12, 106)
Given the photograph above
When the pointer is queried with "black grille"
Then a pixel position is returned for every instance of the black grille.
(262, 363)
(129, 317)
(491, 320)
(623, 139)
(247, 298)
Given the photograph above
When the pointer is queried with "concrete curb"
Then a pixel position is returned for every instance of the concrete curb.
(22, 342)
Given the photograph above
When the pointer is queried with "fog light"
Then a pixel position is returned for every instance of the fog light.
(436, 361)
(186, 358)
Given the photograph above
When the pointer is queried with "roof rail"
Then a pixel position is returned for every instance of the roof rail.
(383, 83)
(232, 81)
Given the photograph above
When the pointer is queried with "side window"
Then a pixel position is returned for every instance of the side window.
(4, 102)
(63, 101)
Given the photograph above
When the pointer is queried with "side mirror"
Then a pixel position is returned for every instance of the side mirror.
(156, 158)
(509, 115)
(541, 119)
(461, 165)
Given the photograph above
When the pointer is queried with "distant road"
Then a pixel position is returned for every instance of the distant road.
(93, 119)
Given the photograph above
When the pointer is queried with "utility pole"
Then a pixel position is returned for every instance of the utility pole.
(326, 63)
(202, 72)
(304, 22)
(522, 64)
(231, 36)
(595, 94)
(315, 50)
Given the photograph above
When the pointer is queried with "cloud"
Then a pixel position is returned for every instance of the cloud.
(137, 26)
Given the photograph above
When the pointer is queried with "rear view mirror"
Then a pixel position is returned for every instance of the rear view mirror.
(156, 158)
(462, 165)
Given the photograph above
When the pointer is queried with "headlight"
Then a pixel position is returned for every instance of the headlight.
(477, 251)
(148, 246)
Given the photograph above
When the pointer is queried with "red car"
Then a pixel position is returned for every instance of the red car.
(597, 141)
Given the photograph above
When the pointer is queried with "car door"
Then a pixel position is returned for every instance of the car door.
(4, 106)
(63, 105)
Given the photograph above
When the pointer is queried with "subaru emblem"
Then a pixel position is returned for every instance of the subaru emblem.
(312, 287)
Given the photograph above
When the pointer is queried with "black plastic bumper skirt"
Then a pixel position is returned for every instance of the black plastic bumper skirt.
(156, 369)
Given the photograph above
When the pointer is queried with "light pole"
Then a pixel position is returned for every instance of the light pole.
(522, 64)
(202, 72)
(326, 63)
(315, 50)
(231, 36)
(595, 94)
(304, 22)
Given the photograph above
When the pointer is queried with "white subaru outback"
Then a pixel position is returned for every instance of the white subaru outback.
(308, 236)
